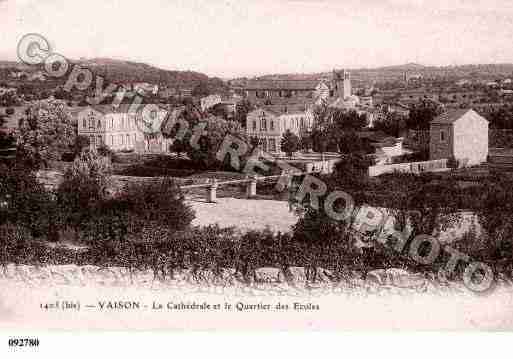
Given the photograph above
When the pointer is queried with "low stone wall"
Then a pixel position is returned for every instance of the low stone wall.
(265, 280)
(412, 167)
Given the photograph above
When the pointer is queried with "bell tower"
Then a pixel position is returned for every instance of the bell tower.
(342, 81)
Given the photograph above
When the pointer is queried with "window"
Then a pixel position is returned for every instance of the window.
(127, 140)
(272, 125)
(263, 124)
(84, 123)
(92, 140)
(442, 136)
(99, 123)
(112, 140)
(91, 123)
(100, 140)
(272, 145)
(121, 140)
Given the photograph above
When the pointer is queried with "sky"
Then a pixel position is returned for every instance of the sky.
(229, 38)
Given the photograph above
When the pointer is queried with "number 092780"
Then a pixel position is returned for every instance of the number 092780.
(23, 342)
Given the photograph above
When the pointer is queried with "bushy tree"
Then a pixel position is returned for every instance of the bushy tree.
(392, 124)
(45, 133)
(24, 201)
(422, 114)
(81, 143)
(159, 204)
(179, 146)
(306, 141)
(202, 146)
(243, 108)
(289, 143)
(84, 186)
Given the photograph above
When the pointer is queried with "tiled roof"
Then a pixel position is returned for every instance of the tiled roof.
(450, 116)
(105, 109)
(286, 109)
(281, 85)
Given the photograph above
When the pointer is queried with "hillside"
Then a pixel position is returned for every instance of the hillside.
(119, 71)
(394, 73)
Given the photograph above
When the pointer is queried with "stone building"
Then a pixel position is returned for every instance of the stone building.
(277, 92)
(121, 129)
(342, 84)
(272, 92)
(461, 135)
(269, 124)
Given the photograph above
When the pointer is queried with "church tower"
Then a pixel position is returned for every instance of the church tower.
(342, 81)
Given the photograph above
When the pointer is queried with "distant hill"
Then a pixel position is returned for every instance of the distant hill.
(394, 73)
(119, 72)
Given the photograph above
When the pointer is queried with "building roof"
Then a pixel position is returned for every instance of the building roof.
(106, 109)
(282, 84)
(286, 109)
(450, 116)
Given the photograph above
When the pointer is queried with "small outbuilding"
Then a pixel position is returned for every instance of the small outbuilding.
(461, 135)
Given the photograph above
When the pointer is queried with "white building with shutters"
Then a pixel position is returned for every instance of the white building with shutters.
(120, 128)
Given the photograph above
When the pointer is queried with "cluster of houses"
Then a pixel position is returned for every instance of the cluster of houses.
(288, 105)
(282, 106)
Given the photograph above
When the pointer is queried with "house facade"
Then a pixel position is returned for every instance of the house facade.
(120, 129)
(459, 134)
(269, 125)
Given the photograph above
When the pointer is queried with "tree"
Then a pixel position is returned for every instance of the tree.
(45, 133)
(25, 202)
(320, 139)
(254, 142)
(348, 142)
(201, 90)
(421, 115)
(347, 120)
(243, 108)
(289, 143)
(202, 146)
(392, 124)
(179, 146)
(157, 204)
(306, 142)
(84, 186)
(81, 143)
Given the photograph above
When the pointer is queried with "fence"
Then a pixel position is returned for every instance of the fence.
(412, 167)
(52, 179)
(324, 167)
(284, 180)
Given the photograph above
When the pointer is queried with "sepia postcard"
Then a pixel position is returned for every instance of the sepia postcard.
(249, 165)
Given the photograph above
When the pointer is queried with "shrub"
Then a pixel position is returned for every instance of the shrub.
(25, 202)
(85, 185)
(45, 133)
(159, 203)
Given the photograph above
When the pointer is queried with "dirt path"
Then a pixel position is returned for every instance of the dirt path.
(244, 214)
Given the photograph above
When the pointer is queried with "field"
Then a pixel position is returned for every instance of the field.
(243, 214)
